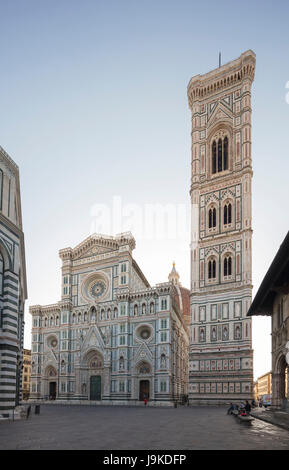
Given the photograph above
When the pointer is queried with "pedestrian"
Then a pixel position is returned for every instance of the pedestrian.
(247, 407)
(28, 411)
(145, 400)
(230, 409)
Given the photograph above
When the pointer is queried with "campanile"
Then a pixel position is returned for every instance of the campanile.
(221, 356)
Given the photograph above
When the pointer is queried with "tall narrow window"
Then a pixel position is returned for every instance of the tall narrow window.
(214, 217)
(214, 157)
(212, 269)
(227, 266)
(229, 213)
(220, 155)
(225, 153)
(225, 214)
(210, 218)
(220, 163)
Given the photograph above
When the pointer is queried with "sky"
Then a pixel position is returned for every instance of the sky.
(94, 111)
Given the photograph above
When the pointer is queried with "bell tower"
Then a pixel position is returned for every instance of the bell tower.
(221, 356)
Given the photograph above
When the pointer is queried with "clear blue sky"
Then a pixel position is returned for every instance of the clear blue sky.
(93, 104)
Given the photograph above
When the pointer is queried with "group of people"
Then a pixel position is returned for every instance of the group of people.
(243, 408)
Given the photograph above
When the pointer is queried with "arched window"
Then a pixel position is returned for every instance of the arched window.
(212, 217)
(92, 314)
(135, 310)
(214, 157)
(227, 266)
(220, 155)
(225, 153)
(212, 269)
(227, 213)
(152, 307)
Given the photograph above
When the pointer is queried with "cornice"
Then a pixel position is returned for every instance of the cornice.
(223, 180)
(106, 241)
(222, 78)
(42, 309)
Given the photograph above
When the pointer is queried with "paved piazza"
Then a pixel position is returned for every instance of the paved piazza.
(132, 428)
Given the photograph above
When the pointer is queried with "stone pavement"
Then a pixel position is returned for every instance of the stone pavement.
(135, 428)
(278, 418)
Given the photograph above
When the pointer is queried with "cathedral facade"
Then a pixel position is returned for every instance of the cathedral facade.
(221, 356)
(112, 338)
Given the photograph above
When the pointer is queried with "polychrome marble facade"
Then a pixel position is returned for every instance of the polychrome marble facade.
(221, 356)
(112, 338)
(13, 291)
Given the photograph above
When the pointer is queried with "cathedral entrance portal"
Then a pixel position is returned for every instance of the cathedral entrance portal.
(95, 387)
(52, 390)
(144, 390)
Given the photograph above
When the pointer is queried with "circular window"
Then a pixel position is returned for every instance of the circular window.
(144, 332)
(97, 289)
(95, 286)
(52, 342)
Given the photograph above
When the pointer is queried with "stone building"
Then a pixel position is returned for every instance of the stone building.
(221, 356)
(13, 290)
(264, 384)
(272, 299)
(26, 373)
(112, 338)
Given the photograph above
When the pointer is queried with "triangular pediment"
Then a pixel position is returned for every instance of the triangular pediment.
(93, 339)
(94, 245)
(143, 353)
(219, 114)
(96, 250)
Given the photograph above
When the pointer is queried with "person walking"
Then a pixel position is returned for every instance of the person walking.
(247, 407)
(230, 409)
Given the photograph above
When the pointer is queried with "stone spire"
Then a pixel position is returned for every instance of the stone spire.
(174, 277)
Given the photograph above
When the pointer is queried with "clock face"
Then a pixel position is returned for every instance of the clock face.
(97, 289)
